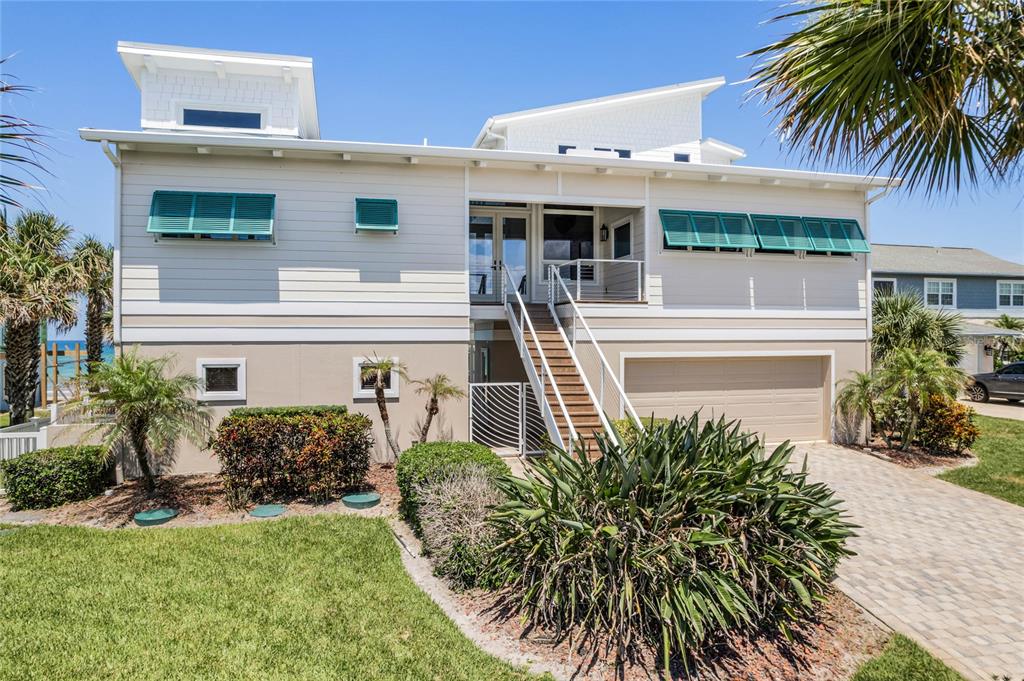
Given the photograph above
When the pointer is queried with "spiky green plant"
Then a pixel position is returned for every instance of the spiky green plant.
(22, 144)
(687, 533)
(901, 320)
(147, 409)
(438, 389)
(930, 90)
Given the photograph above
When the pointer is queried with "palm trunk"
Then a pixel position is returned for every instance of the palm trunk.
(22, 370)
(138, 438)
(432, 410)
(382, 405)
(93, 330)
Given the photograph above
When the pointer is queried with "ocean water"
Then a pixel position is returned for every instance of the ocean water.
(66, 360)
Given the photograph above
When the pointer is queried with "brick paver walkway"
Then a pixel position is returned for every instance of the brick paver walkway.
(941, 564)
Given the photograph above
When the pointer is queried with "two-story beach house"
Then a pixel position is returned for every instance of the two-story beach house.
(602, 254)
(977, 285)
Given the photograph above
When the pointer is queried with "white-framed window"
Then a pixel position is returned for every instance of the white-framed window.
(1009, 294)
(364, 388)
(221, 379)
(883, 285)
(940, 292)
(209, 116)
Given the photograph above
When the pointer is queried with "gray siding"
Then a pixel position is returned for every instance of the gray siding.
(972, 293)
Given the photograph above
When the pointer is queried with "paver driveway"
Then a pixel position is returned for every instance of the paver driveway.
(942, 564)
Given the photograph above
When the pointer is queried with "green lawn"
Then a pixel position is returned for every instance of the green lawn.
(301, 598)
(904, 660)
(5, 416)
(1000, 469)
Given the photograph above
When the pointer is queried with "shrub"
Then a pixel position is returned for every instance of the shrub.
(628, 430)
(423, 462)
(51, 477)
(453, 511)
(310, 410)
(947, 427)
(688, 533)
(267, 455)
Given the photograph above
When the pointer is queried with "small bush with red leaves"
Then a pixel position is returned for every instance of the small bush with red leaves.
(947, 427)
(269, 456)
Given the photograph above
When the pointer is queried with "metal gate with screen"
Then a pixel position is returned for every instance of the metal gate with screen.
(506, 418)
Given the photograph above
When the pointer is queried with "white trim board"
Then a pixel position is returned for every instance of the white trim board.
(711, 354)
(186, 334)
(796, 335)
(296, 309)
(647, 311)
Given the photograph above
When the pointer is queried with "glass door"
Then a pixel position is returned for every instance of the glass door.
(496, 240)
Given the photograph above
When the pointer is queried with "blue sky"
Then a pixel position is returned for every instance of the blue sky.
(396, 72)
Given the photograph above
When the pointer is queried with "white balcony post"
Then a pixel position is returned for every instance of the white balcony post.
(639, 280)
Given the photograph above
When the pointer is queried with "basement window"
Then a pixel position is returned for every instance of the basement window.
(209, 118)
(221, 379)
(363, 388)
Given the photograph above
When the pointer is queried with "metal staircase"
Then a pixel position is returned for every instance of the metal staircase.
(572, 411)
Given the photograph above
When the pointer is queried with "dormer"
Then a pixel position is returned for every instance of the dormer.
(658, 124)
(218, 91)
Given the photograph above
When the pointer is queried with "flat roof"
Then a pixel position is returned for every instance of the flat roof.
(463, 155)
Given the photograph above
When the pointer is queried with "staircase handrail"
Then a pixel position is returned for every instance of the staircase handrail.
(556, 279)
(535, 378)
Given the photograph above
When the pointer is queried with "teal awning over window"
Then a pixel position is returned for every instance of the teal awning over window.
(379, 215)
(684, 229)
(697, 228)
(211, 214)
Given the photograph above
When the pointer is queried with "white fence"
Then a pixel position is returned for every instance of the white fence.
(14, 444)
(506, 418)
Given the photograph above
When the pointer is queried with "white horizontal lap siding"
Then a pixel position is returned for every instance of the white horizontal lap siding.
(318, 257)
(762, 282)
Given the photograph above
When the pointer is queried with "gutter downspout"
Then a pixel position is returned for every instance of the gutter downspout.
(114, 160)
(870, 288)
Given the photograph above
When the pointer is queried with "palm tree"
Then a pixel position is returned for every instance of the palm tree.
(900, 320)
(38, 283)
(149, 410)
(916, 376)
(1008, 347)
(21, 145)
(379, 370)
(95, 260)
(438, 389)
(856, 399)
(929, 90)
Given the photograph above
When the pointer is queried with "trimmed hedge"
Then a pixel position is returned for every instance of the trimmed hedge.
(431, 460)
(268, 455)
(51, 477)
(309, 410)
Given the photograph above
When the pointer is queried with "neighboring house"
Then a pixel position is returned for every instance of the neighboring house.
(273, 263)
(979, 286)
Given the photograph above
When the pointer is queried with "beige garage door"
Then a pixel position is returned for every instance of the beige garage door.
(779, 397)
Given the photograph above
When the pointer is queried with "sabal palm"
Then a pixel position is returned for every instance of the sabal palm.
(916, 376)
(930, 90)
(377, 370)
(1009, 346)
(38, 283)
(149, 410)
(438, 388)
(900, 320)
(95, 261)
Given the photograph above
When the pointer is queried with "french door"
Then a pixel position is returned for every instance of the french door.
(496, 240)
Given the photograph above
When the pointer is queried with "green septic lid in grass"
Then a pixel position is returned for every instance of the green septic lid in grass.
(268, 510)
(157, 516)
(364, 500)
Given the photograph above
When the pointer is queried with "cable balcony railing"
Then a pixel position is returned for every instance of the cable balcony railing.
(594, 280)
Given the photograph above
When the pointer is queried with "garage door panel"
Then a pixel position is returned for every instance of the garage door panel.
(781, 398)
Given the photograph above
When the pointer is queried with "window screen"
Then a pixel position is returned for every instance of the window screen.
(221, 379)
(370, 382)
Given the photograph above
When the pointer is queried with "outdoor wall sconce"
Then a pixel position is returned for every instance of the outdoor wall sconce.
(604, 232)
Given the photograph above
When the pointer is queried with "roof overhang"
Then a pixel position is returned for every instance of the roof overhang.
(703, 87)
(984, 331)
(732, 151)
(490, 158)
(138, 57)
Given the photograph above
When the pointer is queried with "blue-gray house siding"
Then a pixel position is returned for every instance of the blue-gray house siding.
(972, 293)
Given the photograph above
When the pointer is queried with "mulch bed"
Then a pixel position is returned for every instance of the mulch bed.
(200, 500)
(829, 648)
(917, 457)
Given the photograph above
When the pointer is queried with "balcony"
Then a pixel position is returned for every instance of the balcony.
(601, 281)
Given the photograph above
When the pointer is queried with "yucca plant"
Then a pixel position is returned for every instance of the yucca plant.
(687, 533)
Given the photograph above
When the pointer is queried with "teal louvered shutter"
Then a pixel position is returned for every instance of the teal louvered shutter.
(254, 214)
(819, 234)
(738, 231)
(171, 212)
(836, 236)
(709, 232)
(858, 244)
(377, 215)
(212, 213)
(678, 229)
(781, 233)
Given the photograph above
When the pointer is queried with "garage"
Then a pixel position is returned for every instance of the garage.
(780, 397)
